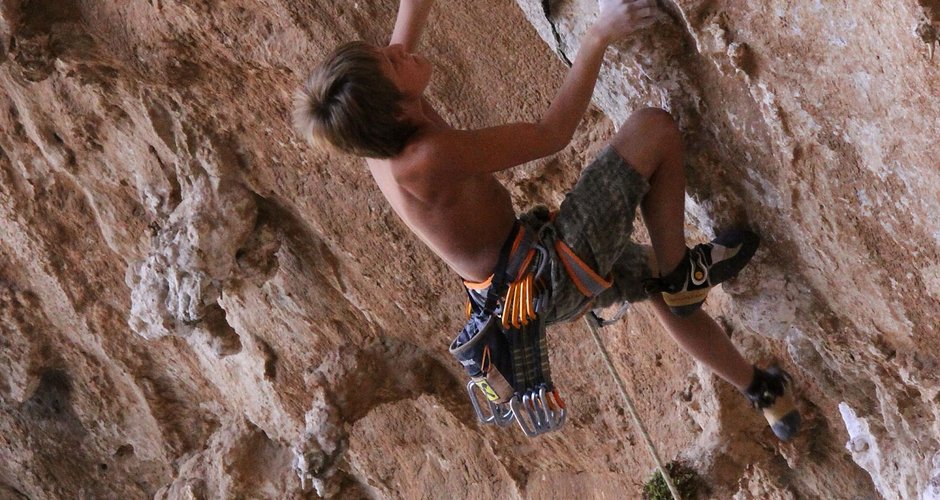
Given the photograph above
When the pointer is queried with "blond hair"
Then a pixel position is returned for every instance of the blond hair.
(348, 104)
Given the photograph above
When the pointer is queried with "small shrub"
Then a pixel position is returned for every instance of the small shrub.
(684, 477)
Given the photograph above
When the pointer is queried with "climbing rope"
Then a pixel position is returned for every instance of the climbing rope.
(594, 323)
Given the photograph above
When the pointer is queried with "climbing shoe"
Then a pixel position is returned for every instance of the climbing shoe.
(704, 267)
(770, 392)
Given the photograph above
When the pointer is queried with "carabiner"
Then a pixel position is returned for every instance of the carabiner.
(499, 413)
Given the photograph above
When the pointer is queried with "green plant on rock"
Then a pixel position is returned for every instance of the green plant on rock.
(685, 478)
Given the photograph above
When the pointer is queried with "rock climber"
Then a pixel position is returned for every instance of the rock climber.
(527, 271)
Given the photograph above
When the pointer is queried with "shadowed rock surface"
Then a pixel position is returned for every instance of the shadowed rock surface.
(195, 304)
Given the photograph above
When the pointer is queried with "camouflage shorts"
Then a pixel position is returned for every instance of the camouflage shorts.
(596, 220)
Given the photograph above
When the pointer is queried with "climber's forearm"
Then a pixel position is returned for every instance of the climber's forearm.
(412, 16)
(616, 20)
(572, 99)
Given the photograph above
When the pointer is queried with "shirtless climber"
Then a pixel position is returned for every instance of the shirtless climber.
(524, 272)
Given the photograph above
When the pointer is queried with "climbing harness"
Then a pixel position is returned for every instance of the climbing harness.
(503, 346)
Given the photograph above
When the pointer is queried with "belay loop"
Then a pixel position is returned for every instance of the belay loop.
(503, 346)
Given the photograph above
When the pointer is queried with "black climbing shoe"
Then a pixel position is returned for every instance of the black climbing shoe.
(770, 391)
(704, 267)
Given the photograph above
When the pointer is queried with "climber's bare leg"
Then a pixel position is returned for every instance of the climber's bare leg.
(701, 337)
(650, 141)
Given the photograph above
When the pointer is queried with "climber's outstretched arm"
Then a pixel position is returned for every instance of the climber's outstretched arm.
(498, 148)
(412, 16)
(617, 19)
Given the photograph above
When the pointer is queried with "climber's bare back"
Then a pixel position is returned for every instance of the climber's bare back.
(464, 217)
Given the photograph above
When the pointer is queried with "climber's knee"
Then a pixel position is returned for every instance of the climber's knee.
(647, 139)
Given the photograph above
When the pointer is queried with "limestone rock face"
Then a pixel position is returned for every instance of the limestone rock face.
(807, 121)
(195, 304)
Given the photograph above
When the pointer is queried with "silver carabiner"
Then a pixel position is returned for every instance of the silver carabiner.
(554, 419)
(518, 412)
(535, 414)
(500, 413)
(530, 403)
(526, 415)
